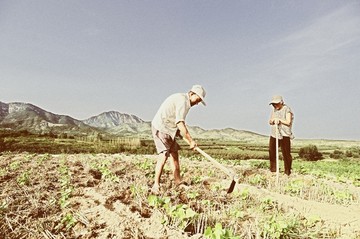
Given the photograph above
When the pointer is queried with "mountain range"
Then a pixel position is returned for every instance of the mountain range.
(20, 116)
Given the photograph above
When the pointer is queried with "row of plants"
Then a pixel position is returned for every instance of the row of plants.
(211, 216)
(27, 171)
(230, 150)
(344, 171)
(67, 217)
(44, 144)
(240, 215)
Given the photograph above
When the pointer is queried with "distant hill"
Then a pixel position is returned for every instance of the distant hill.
(142, 130)
(116, 123)
(112, 119)
(25, 116)
(120, 124)
(227, 134)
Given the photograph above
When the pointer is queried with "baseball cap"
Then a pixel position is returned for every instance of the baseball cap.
(276, 99)
(199, 90)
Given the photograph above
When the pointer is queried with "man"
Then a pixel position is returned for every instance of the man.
(168, 122)
(281, 117)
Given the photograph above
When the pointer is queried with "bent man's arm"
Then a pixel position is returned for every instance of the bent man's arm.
(185, 133)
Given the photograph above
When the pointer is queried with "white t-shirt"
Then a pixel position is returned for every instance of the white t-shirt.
(173, 110)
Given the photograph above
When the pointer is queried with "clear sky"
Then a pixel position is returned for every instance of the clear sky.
(84, 57)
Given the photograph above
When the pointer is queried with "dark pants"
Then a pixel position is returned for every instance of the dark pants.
(285, 145)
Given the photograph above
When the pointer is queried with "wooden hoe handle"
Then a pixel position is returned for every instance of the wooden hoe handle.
(213, 161)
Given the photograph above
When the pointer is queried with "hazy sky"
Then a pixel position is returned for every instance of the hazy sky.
(82, 58)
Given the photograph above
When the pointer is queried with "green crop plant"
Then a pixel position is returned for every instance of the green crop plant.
(43, 158)
(184, 170)
(138, 191)
(312, 221)
(342, 178)
(267, 204)
(192, 195)
(14, 165)
(343, 197)
(29, 157)
(157, 202)
(206, 202)
(68, 221)
(3, 206)
(258, 180)
(64, 198)
(216, 187)
(259, 164)
(191, 156)
(211, 173)
(64, 180)
(236, 211)
(356, 181)
(23, 178)
(295, 187)
(196, 179)
(245, 194)
(65, 183)
(147, 164)
(2, 172)
(278, 226)
(106, 173)
(218, 232)
(180, 215)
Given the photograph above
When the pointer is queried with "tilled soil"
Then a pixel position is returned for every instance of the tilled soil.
(106, 196)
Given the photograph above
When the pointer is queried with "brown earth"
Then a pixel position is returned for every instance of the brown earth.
(109, 198)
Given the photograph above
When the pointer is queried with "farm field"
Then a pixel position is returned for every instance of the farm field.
(108, 196)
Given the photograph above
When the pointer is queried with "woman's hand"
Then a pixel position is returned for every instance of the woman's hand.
(275, 121)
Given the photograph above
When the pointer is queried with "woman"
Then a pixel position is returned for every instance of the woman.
(281, 117)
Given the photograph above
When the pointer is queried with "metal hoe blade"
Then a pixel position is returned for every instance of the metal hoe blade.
(221, 167)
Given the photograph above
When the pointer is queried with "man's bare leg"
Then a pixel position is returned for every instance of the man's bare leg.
(162, 158)
(176, 167)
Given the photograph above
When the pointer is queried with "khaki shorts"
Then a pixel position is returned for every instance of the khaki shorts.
(164, 142)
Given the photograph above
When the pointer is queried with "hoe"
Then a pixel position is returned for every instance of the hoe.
(230, 173)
